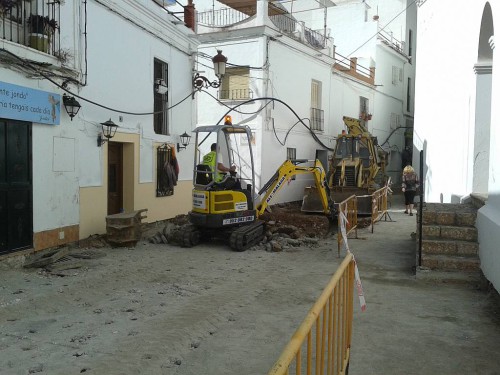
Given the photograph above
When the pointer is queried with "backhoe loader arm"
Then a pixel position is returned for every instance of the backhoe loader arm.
(287, 170)
(354, 125)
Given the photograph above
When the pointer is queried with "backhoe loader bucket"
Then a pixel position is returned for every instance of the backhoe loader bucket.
(311, 201)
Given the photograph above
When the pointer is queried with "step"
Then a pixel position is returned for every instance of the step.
(450, 263)
(449, 214)
(449, 277)
(449, 232)
(449, 247)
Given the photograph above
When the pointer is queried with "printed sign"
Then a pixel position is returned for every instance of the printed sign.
(199, 201)
(241, 206)
(25, 104)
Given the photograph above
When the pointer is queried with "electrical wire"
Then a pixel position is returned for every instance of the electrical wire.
(243, 113)
(387, 24)
(314, 136)
(29, 65)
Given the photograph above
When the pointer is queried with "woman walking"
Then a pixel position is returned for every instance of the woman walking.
(409, 187)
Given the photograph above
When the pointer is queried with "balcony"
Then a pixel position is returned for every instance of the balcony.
(317, 119)
(33, 24)
(296, 30)
(236, 94)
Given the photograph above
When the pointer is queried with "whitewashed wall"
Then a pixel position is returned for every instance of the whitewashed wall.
(447, 136)
(120, 76)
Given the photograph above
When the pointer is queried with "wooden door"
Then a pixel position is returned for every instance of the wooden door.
(16, 208)
(115, 178)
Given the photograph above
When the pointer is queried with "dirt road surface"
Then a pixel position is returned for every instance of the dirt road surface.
(162, 309)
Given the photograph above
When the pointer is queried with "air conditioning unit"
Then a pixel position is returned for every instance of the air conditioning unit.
(161, 87)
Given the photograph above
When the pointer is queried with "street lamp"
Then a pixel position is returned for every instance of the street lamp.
(108, 132)
(185, 137)
(200, 82)
(71, 105)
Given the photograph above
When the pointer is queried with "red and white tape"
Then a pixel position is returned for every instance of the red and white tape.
(357, 279)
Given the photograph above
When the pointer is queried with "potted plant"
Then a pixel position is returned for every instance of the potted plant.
(41, 28)
(7, 5)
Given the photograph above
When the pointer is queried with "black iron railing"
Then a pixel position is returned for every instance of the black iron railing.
(317, 119)
(236, 94)
(220, 18)
(165, 172)
(33, 24)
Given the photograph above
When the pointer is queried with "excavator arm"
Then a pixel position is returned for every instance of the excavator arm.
(287, 170)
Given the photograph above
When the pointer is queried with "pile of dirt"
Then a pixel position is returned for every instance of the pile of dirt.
(289, 214)
(284, 222)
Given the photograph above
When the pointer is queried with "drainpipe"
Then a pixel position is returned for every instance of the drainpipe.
(189, 15)
(421, 208)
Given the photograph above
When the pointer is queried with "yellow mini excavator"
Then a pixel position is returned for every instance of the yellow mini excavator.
(225, 206)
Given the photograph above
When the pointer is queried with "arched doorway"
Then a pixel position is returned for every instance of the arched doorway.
(483, 69)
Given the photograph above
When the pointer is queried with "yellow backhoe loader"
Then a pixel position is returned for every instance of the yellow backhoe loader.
(356, 164)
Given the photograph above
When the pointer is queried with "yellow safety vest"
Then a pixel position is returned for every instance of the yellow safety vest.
(210, 160)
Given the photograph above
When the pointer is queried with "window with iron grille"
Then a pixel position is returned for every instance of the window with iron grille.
(408, 95)
(410, 43)
(236, 84)
(166, 173)
(34, 24)
(364, 106)
(317, 114)
(160, 99)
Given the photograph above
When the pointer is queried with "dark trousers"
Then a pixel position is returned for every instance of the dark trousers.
(409, 196)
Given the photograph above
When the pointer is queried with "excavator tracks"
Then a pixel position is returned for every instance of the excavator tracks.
(246, 236)
(190, 236)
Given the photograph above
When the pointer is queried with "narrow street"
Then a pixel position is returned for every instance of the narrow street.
(159, 309)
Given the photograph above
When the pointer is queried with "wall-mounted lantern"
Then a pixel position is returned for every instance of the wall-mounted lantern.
(71, 105)
(108, 132)
(185, 137)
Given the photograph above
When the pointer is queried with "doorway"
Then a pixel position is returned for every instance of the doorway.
(115, 178)
(16, 186)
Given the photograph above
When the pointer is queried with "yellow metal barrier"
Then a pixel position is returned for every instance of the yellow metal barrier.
(349, 208)
(321, 345)
(379, 205)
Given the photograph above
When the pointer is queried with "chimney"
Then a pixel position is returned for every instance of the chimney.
(189, 15)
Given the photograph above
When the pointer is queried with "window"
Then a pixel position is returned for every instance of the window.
(364, 107)
(394, 120)
(317, 114)
(160, 118)
(397, 75)
(236, 84)
(408, 95)
(166, 171)
(410, 43)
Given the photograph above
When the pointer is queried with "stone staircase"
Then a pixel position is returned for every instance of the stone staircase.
(449, 242)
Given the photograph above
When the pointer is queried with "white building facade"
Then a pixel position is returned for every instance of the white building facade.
(461, 146)
(131, 75)
(289, 57)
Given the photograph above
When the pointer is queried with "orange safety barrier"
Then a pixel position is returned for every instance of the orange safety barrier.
(379, 205)
(349, 209)
(322, 343)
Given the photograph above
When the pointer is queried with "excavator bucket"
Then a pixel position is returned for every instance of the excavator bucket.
(311, 201)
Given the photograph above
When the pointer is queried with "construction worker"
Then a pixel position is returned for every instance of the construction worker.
(210, 159)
